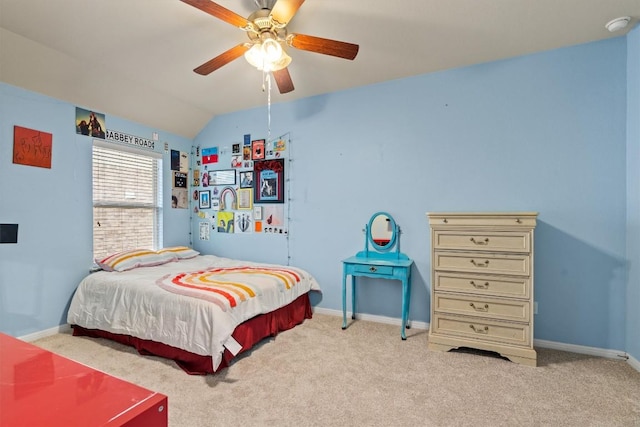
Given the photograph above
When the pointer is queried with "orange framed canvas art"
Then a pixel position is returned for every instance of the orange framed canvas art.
(32, 147)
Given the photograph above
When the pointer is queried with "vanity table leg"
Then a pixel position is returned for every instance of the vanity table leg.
(353, 297)
(408, 325)
(344, 300)
(405, 306)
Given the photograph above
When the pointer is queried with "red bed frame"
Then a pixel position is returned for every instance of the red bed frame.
(247, 334)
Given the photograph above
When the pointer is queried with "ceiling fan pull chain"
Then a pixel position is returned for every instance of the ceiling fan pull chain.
(269, 107)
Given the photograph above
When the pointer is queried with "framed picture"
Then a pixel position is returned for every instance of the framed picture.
(179, 179)
(245, 199)
(222, 177)
(246, 179)
(32, 147)
(268, 181)
(205, 199)
(225, 222)
(90, 123)
(209, 155)
(257, 212)
(243, 222)
(257, 149)
(196, 177)
(236, 161)
(204, 231)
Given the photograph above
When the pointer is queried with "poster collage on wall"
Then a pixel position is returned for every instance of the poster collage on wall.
(244, 193)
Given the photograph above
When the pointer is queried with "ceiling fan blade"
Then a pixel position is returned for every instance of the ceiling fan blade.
(219, 12)
(222, 59)
(325, 46)
(283, 80)
(284, 10)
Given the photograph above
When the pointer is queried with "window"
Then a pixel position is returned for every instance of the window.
(127, 199)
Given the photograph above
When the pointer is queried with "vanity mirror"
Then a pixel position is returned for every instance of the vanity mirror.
(381, 258)
(382, 232)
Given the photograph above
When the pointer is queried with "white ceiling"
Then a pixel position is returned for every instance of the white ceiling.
(134, 58)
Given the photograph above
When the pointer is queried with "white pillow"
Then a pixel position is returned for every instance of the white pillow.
(181, 252)
(127, 260)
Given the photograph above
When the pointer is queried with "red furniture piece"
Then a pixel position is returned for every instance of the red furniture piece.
(41, 388)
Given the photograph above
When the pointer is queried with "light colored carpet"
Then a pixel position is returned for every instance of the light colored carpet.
(319, 375)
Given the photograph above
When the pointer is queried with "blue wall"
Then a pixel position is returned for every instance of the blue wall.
(53, 208)
(633, 193)
(544, 132)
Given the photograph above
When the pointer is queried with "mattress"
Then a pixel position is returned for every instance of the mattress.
(192, 304)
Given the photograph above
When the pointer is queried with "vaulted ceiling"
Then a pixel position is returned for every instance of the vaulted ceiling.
(135, 58)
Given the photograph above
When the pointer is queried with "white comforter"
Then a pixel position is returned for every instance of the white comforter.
(133, 303)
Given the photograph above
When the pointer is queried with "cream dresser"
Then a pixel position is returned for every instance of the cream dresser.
(482, 283)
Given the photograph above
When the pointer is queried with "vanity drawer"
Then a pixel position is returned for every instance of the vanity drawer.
(482, 329)
(482, 262)
(505, 241)
(383, 270)
(493, 308)
(500, 286)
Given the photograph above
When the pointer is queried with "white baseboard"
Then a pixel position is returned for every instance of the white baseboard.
(46, 333)
(591, 351)
(572, 348)
(372, 318)
(635, 364)
(580, 349)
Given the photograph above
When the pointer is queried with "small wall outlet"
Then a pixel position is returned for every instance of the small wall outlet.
(535, 307)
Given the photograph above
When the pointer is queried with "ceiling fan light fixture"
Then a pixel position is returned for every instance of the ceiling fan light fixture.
(271, 50)
(270, 58)
(281, 63)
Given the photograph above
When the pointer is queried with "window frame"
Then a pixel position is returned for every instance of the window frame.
(156, 205)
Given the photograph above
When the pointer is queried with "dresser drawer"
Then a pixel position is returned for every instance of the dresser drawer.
(479, 220)
(383, 270)
(482, 262)
(499, 286)
(493, 308)
(505, 241)
(481, 329)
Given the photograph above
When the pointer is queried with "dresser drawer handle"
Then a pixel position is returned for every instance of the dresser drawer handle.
(485, 308)
(484, 330)
(479, 286)
(480, 242)
(480, 264)
(373, 269)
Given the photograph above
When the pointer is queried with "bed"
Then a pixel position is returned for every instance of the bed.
(198, 310)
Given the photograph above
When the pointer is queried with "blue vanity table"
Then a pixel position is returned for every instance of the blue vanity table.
(381, 259)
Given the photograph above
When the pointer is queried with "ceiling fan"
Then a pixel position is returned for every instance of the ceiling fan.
(267, 33)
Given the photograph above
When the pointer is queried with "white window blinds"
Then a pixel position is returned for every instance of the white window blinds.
(127, 199)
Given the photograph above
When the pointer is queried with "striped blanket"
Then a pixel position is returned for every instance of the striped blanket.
(227, 287)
